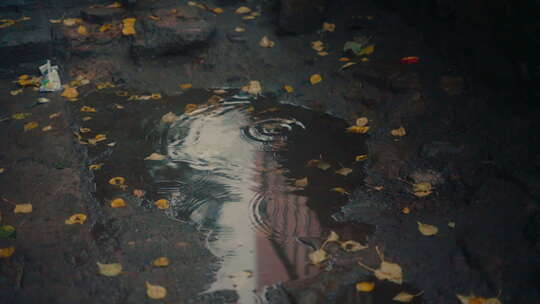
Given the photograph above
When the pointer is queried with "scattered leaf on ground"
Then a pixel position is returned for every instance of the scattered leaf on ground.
(97, 138)
(406, 210)
(109, 270)
(386, 271)
(155, 291)
(357, 129)
(77, 218)
(114, 5)
(315, 78)
(318, 256)
(138, 193)
(348, 64)
(404, 297)
(55, 21)
(6, 231)
(422, 189)
(46, 128)
(289, 89)
(162, 204)
(344, 59)
(70, 93)
(15, 92)
(169, 117)
(368, 50)
(161, 262)
(2, 171)
(23, 208)
(399, 132)
(95, 166)
(340, 190)
(88, 109)
(118, 203)
(242, 10)
(190, 107)
(6, 252)
(323, 53)
(332, 237)
(155, 156)
(72, 21)
(104, 85)
(361, 157)
(155, 96)
(128, 26)
(427, 230)
(30, 126)
(239, 29)
(266, 42)
(217, 10)
(82, 30)
(477, 300)
(54, 115)
(452, 224)
(317, 45)
(365, 286)
(185, 86)
(254, 87)
(352, 246)
(19, 116)
(303, 182)
(328, 27)
(117, 181)
(362, 121)
(105, 27)
(85, 130)
(344, 171)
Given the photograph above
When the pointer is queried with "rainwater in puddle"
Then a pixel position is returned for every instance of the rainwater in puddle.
(231, 168)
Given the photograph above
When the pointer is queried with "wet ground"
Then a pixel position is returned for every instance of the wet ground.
(239, 190)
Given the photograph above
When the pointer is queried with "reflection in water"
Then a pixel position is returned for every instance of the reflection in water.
(224, 173)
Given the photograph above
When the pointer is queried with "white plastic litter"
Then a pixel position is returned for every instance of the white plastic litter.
(51, 79)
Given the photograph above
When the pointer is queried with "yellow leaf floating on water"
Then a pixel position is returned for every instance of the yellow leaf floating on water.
(386, 271)
(118, 203)
(19, 116)
(162, 204)
(109, 270)
(70, 93)
(317, 45)
(319, 164)
(427, 230)
(128, 26)
(185, 86)
(303, 182)
(95, 167)
(46, 128)
(77, 218)
(404, 297)
(352, 246)
(344, 171)
(340, 190)
(365, 286)
(155, 291)
(23, 208)
(399, 132)
(318, 256)
(82, 30)
(88, 109)
(361, 157)
(328, 27)
(6, 252)
(266, 42)
(155, 156)
(422, 189)
(289, 89)
(358, 129)
(30, 126)
(161, 262)
(117, 181)
(242, 10)
(315, 78)
(368, 50)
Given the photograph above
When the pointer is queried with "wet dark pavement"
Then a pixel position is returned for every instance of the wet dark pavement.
(237, 219)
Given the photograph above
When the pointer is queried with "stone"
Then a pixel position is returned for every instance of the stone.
(170, 35)
(102, 14)
(301, 16)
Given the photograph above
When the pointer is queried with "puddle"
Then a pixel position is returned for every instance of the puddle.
(231, 168)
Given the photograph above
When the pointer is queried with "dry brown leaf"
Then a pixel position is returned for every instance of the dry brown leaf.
(303, 182)
(155, 291)
(22, 208)
(362, 121)
(242, 10)
(340, 190)
(118, 203)
(317, 45)
(266, 42)
(427, 230)
(109, 270)
(6, 252)
(422, 189)
(318, 256)
(161, 262)
(328, 27)
(361, 157)
(399, 132)
(357, 129)
(104, 85)
(155, 96)
(155, 156)
(315, 78)
(344, 171)
(352, 246)
(162, 204)
(365, 286)
(169, 117)
(77, 218)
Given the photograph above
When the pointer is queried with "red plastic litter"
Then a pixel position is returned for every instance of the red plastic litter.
(410, 59)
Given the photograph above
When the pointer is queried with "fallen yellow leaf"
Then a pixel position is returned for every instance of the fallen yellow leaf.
(303, 182)
(344, 171)
(323, 53)
(138, 193)
(239, 29)
(155, 156)
(190, 108)
(155, 291)
(2, 171)
(162, 204)
(109, 270)
(427, 230)
(97, 138)
(328, 27)
(30, 126)
(115, 5)
(85, 130)
(422, 189)
(121, 93)
(315, 78)
(54, 115)
(155, 18)
(317, 45)
(400, 132)
(361, 157)
(70, 93)
(348, 64)
(318, 256)
(23, 208)
(250, 17)
(254, 87)
(118, 203)
(340, 190)
(128, 26)
(362, 121)
(406, 210)
(82, 30)
(88, 109)
(19, 116)
(185, 86)
(169, 117)
(105, 27)
(386, 271)
(72, 21)
(55, 21)
(77, 218)
(104, 85)
(344, 59)
(217, 10)
(357, 129)
(155, 96)
(404, 297)
(15, 92)
(161, 262)
(477, 300)
(352, 246)
(452, 224)
(95, 166)
(6, 252)
(46, 128)
(289, 89)
(332, 237)
(117, 181)
(368, 50)
(242, 10)
(365, 286)
(266, 42)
